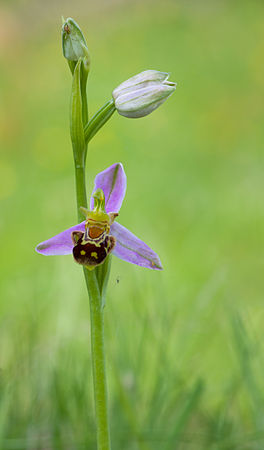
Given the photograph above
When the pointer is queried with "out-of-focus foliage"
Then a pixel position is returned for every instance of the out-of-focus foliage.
(185, 347)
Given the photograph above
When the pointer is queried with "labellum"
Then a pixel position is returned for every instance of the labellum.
(92, 246)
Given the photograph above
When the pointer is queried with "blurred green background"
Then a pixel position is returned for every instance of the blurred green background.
(185, 346)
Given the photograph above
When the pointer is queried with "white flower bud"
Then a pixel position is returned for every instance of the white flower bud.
(140, 95)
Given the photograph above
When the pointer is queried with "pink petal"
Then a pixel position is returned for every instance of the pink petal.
(131, 249)
(113, 183)
(61, 244)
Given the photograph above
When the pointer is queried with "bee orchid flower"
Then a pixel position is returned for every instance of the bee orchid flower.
(92, 240)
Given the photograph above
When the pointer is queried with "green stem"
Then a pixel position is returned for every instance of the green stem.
(80, 190)
(98, 355)
(97, 333)
(79, 116)
(83, 83)
(102, 274)
(98, 120)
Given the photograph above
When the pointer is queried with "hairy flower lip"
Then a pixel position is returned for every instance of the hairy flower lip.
(128, 246)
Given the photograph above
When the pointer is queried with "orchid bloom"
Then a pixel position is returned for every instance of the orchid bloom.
(92, 240)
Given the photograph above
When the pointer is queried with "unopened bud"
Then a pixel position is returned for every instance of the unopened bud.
(73, 42)
(140, 95)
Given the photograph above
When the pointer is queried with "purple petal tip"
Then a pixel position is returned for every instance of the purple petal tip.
(131, 249)
(113, 183)
(61, 244)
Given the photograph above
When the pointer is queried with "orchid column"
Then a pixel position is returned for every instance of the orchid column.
(92, 241)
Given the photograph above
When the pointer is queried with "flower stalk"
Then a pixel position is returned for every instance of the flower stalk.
(78, 115)
(98, 120)
(97, 333)
(91, 241)
(98, 360)
(80, 188)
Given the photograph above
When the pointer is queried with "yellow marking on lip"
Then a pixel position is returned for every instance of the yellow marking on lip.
(83, 252)
(97, 221)
(94, 255)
